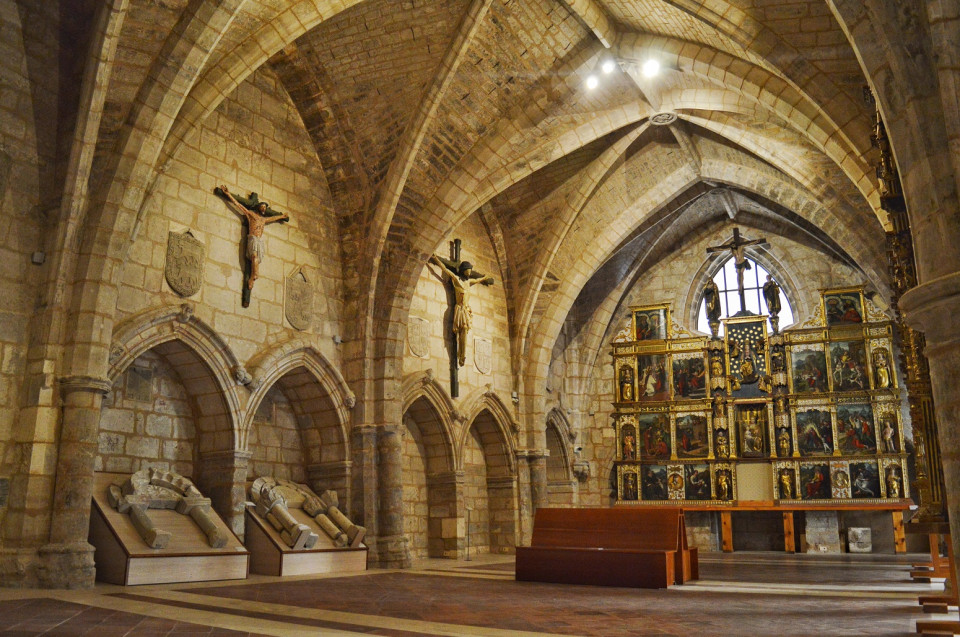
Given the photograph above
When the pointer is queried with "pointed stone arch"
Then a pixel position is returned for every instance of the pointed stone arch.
(693, 299)
(487, 461)
(560, 436)
(154, 328)
(320, 400)
(432, 487)
(211, 376)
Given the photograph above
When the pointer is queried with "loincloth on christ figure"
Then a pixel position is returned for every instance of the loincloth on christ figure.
(256, 247)
(462, 318)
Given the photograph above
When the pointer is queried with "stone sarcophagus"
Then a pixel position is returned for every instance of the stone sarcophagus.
(290, 530)
(155, 526)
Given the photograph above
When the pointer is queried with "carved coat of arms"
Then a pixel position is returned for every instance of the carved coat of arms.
(298, 307)
(417, 336)
(184, 267)
(483, 354)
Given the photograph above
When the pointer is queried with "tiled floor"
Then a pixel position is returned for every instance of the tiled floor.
(737, 594)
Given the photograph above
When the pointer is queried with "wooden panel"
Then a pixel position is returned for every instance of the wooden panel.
(186, 568)
(109, 556)
(269, 555)
(634, 569)
(899, 537)
(789, 540)
(264, 553)
(726, 531)
(309, 563)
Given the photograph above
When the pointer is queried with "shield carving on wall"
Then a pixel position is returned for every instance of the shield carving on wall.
(184, 267)
(298, 307)
(417, 336)
(483, 354)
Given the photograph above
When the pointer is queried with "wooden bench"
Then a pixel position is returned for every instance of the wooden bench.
(639, 548)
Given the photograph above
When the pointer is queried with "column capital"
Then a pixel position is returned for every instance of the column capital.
(92, 384)
(532, 454)
(932, 308)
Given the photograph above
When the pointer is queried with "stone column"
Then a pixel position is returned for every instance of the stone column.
(538, 479)
(223, 479)
(932, 308)
(364, 499)
(524, 501)
(67, 560)
(334, 476)
(446, 520)
(392, 549)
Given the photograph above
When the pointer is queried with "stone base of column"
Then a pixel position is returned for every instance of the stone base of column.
(66, 566)
(392, 552)
(18, 568)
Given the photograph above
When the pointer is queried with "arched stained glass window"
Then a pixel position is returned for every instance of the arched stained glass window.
(753, 280)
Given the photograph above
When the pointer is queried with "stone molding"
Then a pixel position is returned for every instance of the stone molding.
(93, 384)
(929, 308)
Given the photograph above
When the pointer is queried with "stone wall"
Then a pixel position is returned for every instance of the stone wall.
(475, 496)
(432, 306)
(147, 421)
(275, 440)
(29, 202)
(415, 507)
(273, 158)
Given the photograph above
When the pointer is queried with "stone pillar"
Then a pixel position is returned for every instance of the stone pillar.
(223, 479)
(364, 499)
(392, 549)
(446, 520)
(932, 308)
(538, 480)
(334, 476)
(502, 495)
(67, 560)
(524, 500)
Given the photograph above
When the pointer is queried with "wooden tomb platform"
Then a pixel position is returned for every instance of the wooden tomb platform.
(631, 547)
(122, 557)
(270, 555)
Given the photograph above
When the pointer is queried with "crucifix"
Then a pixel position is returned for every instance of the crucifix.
(738, 246)
(256, 214)
(462, 277)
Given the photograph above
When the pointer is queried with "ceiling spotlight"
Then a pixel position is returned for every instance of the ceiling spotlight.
(592, 82)
(651, 67)
(608, 66)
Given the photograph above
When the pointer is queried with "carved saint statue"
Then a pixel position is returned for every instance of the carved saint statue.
(256, 215)
(711, 299)
(786, 484)
(462, 280)
(771, 295)
(881, 369)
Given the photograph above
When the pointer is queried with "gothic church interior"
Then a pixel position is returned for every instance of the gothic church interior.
(582, 155)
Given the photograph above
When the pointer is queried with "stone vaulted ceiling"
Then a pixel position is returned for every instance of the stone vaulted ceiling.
(423, 113)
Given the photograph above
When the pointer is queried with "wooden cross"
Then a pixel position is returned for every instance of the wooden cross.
(462, 277)
(737, 247)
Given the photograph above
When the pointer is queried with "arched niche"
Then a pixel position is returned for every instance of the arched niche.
(430, 506)
(488, 465)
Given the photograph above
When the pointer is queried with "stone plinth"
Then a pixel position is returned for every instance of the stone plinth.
(822, 532)
(859, 540)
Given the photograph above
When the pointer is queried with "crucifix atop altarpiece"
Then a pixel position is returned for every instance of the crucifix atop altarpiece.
(737, 246)
(462, 277)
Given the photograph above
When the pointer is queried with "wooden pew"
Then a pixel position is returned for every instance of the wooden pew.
(633, 547)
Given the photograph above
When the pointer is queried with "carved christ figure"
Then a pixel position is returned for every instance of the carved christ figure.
(738, 248)
(257, 218)
(462, 279)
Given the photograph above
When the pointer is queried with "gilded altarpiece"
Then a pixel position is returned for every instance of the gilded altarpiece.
(818, 405)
